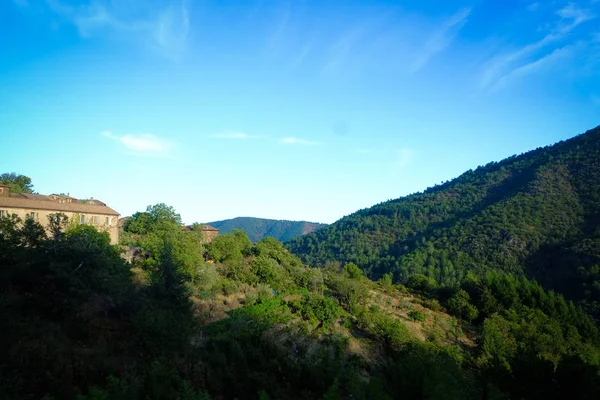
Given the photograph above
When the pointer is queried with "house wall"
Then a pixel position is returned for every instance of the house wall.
(42, 218)
(208, 236)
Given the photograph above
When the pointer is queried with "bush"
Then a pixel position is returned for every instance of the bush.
(353, 271)
(417, 316)
(421, 283)
(460, 306)
(315, 307)
(432, 304)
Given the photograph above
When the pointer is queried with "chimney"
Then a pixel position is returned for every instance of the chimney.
(4, 191)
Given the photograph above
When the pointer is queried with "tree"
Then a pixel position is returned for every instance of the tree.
(386, 281)
(158, 217)
(17, 183)
(57, 224)
(353, 271)
(460, 306)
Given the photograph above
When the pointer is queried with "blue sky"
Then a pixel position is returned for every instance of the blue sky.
(285, 109)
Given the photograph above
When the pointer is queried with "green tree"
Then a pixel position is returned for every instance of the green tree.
(353, 271)
(460, 306)
(17, 183)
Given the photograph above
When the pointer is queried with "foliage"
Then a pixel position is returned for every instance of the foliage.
(353, 271)
(318, 309)
(106, 335)
(417, 316)
(260, 228)
(16, 183)
(460, 306)
(536, 214)
(157, 217)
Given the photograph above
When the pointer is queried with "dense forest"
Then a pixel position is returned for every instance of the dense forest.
(536, 215)
(233, 319)
(260, 228)
(485, 287)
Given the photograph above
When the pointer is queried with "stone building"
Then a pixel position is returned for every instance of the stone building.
(208, 232)
(39, 207)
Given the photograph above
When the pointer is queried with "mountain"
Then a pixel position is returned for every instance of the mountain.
(259, 228)
(536, 214)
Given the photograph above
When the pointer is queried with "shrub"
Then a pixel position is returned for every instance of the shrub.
(417, 316)
(460, 306)
(432, 304)
(421, 283)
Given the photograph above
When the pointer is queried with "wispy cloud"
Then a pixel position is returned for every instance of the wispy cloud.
(442, 38)
(234, 135)
(536, 65)
(283, 20)
(530, 57)
(575, 14)
(142, 144)
(295, 140)
(342, 49)
(405, 156)
(21, 3)
(164, 26)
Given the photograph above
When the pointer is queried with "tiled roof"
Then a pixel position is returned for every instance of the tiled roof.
(32, 196)
(16, 202)
(203, 227)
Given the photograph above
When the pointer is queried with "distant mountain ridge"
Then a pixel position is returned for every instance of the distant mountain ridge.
(536, 214)
(259, 228)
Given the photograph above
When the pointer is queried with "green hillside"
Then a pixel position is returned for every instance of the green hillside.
(236, 320)
(259, 228)
(536, 214)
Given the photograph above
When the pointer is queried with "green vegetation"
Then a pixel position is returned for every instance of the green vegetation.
(260, 228)
(237, 319)
(535, 215)
(250, 321)
(16, 183)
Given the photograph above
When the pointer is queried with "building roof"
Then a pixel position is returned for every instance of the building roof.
(204, 228)
(31, 196)
(95, 202)
(63, 196)
(47, 204)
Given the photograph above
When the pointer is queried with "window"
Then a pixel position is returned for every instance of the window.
(96, 220)
(2, 214)
(107, 221)
(82, 219)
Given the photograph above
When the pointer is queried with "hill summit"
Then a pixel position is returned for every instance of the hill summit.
(259, 228)
(536, 214)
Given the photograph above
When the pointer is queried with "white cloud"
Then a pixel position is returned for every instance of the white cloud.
(577, 15)
(533, 7)
(442, 38)
(295, 140)
(518, 62)
(164, 26)
(142, 144)
(405, 156)
(536, 65)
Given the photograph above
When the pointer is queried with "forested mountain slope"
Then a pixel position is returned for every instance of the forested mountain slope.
(537, 213)
(260, 228)
(236, 320)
